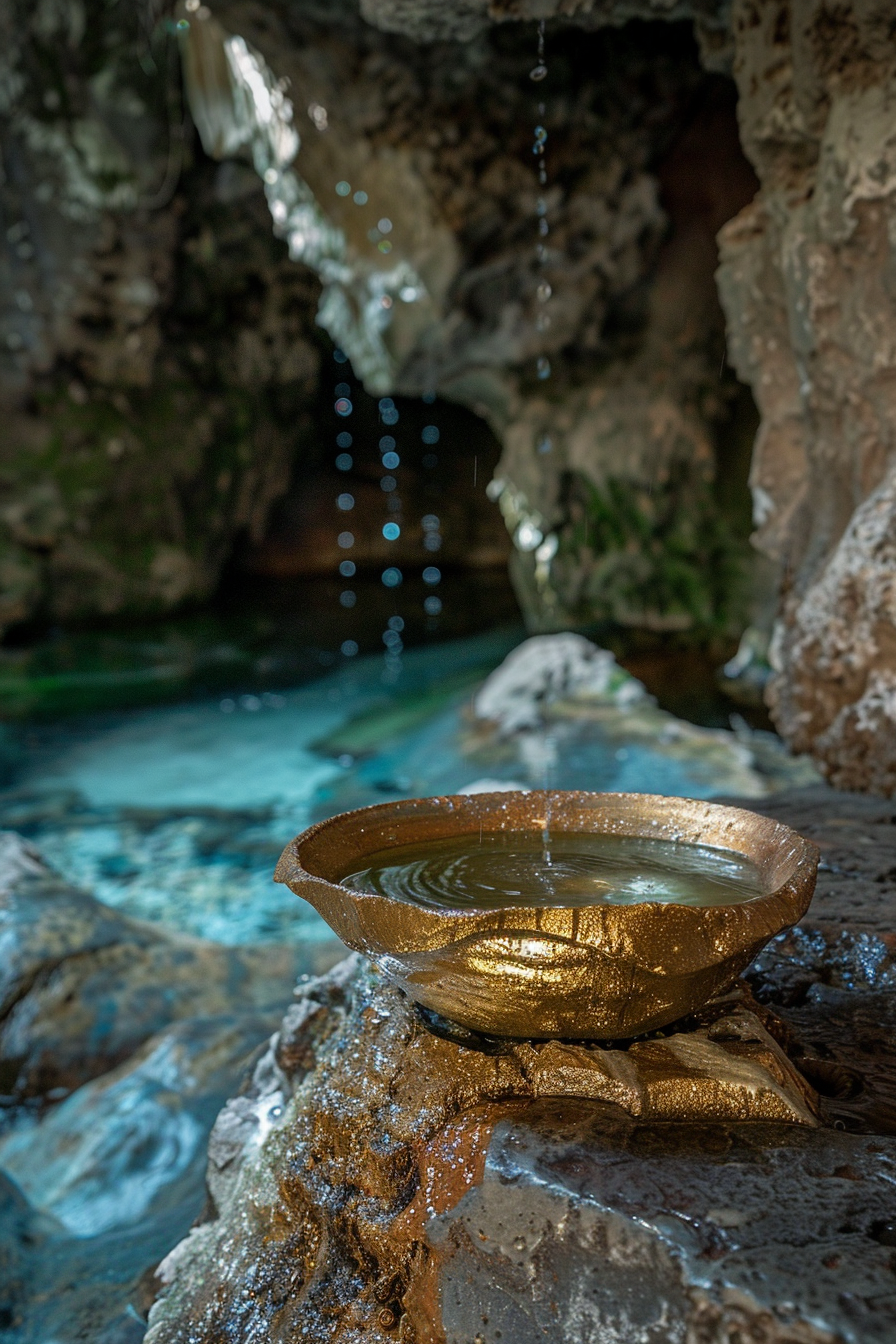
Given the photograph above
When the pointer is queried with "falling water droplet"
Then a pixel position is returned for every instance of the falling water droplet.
(538, 72)
(545, 443)
(544, 291)
(543, 367)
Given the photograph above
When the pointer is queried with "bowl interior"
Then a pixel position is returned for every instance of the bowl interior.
(341, 845)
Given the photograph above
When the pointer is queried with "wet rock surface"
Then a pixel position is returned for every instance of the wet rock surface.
(93, 1195)
(119, 1043)
(377, 1178)
(83, 985)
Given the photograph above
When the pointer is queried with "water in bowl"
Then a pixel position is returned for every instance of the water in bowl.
(512, 869)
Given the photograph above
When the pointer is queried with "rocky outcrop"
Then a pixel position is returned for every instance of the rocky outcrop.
(83, 986)
(119, 1043)
(386, 1173)
(554, 695)
(835, 653)
(167, 386)
(805, 280)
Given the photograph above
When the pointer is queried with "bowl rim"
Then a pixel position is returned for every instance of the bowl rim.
(636, 814)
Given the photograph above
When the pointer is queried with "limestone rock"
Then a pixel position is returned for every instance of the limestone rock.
(377, 1178)
(115, 1178)
(546, 668)
(82, 986)
(835, 689)
(137, 445)
(554, 695)
(804, 275)
(123, 1146)
(144, 1035)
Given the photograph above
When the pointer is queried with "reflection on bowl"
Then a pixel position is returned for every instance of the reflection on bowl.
(604, 971)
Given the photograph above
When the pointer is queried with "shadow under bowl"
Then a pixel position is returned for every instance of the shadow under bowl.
(604, 972)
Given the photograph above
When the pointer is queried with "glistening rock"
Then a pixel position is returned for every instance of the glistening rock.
(377, 1179)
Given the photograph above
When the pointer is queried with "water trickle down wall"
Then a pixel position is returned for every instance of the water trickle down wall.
(240, 106)
(525, 521)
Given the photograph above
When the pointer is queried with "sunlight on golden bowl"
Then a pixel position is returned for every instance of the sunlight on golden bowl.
(605, 972)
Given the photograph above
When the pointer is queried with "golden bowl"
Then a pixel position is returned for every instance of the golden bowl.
(605, 972)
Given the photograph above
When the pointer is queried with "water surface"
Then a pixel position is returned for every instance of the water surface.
(567, 869)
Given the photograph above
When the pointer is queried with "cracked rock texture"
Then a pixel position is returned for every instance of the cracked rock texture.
(375, 1180)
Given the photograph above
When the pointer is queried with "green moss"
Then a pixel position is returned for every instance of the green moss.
(665, 558)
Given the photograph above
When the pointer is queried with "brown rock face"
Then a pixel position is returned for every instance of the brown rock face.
(836, 654)
(806, 280)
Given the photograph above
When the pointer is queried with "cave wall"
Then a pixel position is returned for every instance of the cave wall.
(163, 395)
(807, 282)
(159, 349)
(158, 358)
